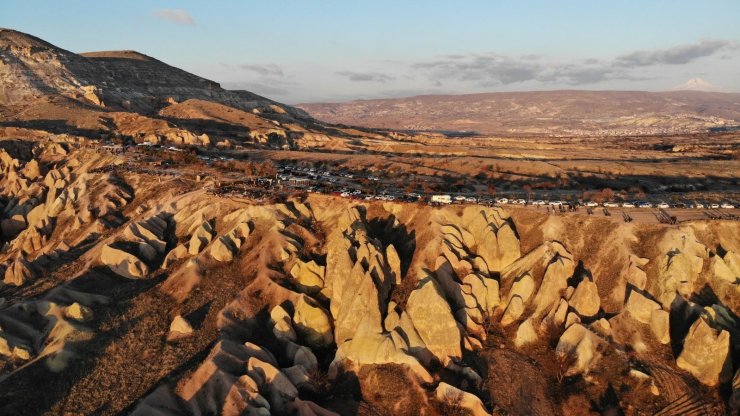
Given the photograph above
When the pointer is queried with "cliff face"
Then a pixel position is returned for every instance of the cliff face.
(177, 301)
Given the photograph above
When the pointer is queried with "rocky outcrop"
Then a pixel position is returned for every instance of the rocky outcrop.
(706, 354)
(455, 398)
(18, 272)
(579, 349)
(179, 328)
(123, 263)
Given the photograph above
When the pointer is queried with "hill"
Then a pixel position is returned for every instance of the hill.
(561, 113)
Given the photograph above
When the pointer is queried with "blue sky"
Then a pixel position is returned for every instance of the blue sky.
(330, 50)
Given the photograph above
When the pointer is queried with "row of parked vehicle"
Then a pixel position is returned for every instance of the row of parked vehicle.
(662, 205)
(592, 204)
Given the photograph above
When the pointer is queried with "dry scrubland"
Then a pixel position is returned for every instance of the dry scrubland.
(133, 282)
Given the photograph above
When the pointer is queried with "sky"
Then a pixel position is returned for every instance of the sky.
(338, 50)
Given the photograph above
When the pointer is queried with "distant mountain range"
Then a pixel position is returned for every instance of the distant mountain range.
(560, 113)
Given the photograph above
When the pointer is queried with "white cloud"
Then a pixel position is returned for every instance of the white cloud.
(178, 16)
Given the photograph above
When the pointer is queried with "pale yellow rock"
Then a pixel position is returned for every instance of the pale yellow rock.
(22, 353)
(394, 262)
(706, 354)
(312, 323)
(223, 249)
(434, 321)
(78, 312)
(602, 327)
(452, 396)
(640, 307)
(659, 323)
(31, 170)
(19, 272)
(283, 324)
(525, 334)
(309, 276)
(521, 291)
(177, 253)
(179, 328)
(579, 347)
(571, 319)
(201, 237)
(585, 299)
(123, 263)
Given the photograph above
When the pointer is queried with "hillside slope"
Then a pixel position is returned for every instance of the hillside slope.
(543, 112)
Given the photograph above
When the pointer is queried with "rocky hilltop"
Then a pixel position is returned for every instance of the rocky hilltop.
(138, 293)
(548, 113)
(33, 69)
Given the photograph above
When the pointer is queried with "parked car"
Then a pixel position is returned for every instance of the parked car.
(520, 202)
(699, 205)
(611, 204)
(663, 205)
(727, 206)
(644, 205)
(592, 204)
(502, 201)
(714, 206)
(628, 205)
(538, 202)
(441, 199)
(556, 203)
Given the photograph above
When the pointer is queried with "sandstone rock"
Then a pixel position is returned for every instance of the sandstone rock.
(521, 291)
(280, 391)
(19, 272)
(22, 352)
(31, 170)
(283, 324)
(177, 253)
(434, 321)
(585, 299)
(456, 398)
(123, 263)
(36, 215)
(201, 237)
(309, 276)
(313, 323)
(680, 267)
(223, 249)
(369, 347)
(602, 327)
(179, 328)
(572, 318)
(659, 323)
(394, 262)
(78, 312)
(5, 348)
(640, 307)
(525, 334)
(706, 354)
(580, 348)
